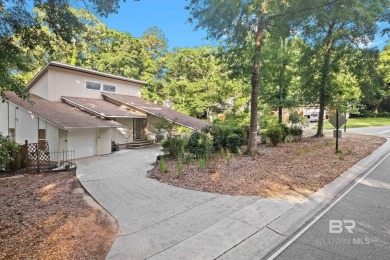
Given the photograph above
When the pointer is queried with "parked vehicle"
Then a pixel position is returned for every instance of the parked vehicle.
(313, 118)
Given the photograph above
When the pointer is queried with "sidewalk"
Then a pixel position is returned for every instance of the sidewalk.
(159, 221)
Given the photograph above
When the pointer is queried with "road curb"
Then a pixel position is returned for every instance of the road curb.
(294, 219)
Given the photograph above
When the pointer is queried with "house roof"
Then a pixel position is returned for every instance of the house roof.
(103, 108)
(156, 110)
(59, 113)
(74, 68)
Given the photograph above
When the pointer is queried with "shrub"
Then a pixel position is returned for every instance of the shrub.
(234, 142)
(285, 131)
(218, 134)
(275, 134)
(296, 132)
(173, 146)
(200, 145)
(7, 146)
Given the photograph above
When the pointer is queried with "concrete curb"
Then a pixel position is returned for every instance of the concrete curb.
(294, 219)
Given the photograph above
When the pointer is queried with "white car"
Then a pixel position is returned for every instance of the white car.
(313, 118)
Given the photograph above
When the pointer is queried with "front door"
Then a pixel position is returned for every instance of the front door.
(140, 125)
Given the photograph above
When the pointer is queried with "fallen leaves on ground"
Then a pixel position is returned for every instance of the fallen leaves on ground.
(290, 170)
(44, 216)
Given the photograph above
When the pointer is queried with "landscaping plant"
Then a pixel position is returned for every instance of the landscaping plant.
(173, 146)
(275, 134)
(7, 146)
(179, 167)
(163, 164)
(200, 145)
(202, 163)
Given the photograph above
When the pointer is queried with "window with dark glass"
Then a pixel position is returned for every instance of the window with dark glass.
(92, 85)
(109, 88)
(42, 134)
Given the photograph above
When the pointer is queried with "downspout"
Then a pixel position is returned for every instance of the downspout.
(8, 117)
(15, 122)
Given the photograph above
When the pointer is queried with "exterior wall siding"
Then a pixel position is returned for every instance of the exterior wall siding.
(52, 136)
(83, 141)
(124, 135)
(63, 82)
(104, 141)
(40, 88)
(4, 118)
(150, 130)
(26, 126)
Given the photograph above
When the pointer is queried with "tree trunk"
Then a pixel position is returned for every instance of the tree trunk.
(282, 85)
(255, 83)
(324, 81)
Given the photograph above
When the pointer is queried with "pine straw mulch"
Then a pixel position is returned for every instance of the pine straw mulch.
(290, 170)
(47, 216)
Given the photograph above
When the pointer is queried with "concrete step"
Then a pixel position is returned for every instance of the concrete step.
(139, 144)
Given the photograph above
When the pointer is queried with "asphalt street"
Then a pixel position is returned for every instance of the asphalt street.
(357, 226)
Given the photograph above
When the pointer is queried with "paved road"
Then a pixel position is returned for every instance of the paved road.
(367, 205)
(159, 221)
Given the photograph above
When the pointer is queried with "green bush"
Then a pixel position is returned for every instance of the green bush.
(285, 131)
(275, 134)
(7, 146)
(200, 145)
(296, 131)
(173, 146)
(218, 134)
(234, 142)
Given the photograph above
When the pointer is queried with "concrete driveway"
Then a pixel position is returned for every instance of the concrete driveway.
(159, 221)
(163, 222)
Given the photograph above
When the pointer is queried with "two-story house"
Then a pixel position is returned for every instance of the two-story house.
(84, 110)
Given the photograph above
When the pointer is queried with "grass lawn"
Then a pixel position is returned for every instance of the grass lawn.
(361, 122)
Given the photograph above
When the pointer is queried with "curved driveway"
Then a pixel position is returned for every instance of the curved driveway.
(164, 222)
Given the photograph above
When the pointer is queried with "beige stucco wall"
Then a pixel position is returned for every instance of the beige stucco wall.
(63, 82)
(4, 118)
(40, 88)
(124, 135)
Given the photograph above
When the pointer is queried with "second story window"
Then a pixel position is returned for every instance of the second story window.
(109, 88)
(92, 85)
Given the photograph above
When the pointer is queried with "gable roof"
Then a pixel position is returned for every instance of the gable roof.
(59, 113)
(103, 108)
(156, 110)
(79, 69)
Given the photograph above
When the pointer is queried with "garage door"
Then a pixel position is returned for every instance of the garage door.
(83, 141)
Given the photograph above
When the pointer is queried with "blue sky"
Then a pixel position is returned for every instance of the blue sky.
(168, 15)
(171, 17)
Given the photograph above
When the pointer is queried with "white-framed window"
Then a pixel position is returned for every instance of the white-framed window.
(109, 88)
(92, 85)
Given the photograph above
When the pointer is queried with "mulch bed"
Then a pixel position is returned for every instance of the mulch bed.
(290, 170)
(45, 216)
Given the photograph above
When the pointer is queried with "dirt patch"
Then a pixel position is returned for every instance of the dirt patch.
(45, 216)
(290, 170)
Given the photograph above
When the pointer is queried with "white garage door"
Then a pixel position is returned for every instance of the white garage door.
(83, 141)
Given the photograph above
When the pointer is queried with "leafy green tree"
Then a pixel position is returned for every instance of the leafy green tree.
(341, 23)
(240, 22)
(198, 81)
(17, 21)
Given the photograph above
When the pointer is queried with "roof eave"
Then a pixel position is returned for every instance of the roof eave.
(74, 68)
